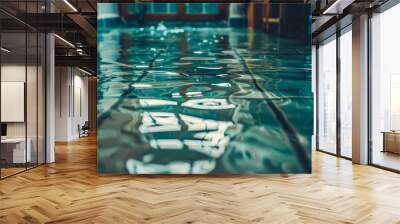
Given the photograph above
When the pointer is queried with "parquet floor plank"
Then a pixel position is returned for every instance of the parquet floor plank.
(70, 191)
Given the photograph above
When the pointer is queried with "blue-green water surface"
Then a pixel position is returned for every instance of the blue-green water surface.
(198, 100)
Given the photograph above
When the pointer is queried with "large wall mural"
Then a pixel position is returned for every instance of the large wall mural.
(204, 88)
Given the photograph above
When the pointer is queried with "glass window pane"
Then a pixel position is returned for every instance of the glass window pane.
(385, 84)
(202, 8)
(327, 97)
(211, 8)
(346, 94)
(132, 8)
(162, 8)
(194, 8)
(13, 86)
(159, 8)
(172, 8)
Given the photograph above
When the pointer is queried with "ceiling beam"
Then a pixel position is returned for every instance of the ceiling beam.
(89, 30)
(78, 61)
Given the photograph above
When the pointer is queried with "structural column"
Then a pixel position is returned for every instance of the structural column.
(50, 99)
(360, 90)
(50, 92)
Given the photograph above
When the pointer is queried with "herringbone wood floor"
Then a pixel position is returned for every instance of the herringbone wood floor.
(70, 191)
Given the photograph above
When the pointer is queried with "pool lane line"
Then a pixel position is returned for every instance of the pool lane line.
(106, 114)
(290, 131)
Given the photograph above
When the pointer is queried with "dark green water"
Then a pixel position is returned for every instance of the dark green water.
(203, 100)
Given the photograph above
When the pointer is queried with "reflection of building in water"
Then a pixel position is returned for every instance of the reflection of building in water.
(288, 20)
(204, 136)
(178, 167)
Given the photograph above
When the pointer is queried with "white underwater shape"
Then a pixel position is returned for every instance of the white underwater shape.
(197, 167)
(172, 144)
(208, 104)
(198, 59)
(141, 85)
(156, 102)
(225, 84)
(210, 68)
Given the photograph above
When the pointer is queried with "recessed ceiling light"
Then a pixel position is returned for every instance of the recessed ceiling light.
(337, 7)
(84, 71)
(64, 40)
(70, 5)
(5, 50)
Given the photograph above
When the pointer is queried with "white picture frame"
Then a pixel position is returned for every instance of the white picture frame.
(12, 101)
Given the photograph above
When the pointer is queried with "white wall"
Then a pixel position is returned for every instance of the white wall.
(61, 103)
(12, 73)
(80, 110)
(71, 102)
(13, 101)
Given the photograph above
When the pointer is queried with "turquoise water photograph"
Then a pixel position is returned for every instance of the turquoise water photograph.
(204, 88)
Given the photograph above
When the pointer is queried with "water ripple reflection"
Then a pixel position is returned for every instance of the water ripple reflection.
(187, 100)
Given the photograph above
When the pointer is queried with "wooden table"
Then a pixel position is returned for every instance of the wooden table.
(391, 141)
(14, 150)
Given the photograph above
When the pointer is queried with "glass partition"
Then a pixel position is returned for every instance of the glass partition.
(22, 77)
(14, 153)
(31, 97)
